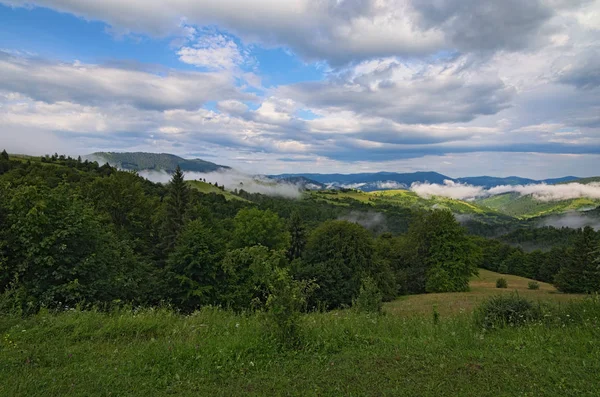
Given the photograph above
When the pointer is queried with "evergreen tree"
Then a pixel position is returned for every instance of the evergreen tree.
(580, 272)
(177, 203)
(4, 155)
(194, 267)
(298, 236)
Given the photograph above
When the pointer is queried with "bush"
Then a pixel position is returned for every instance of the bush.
(501, 283)
(507, 310)
(285, 303)
(533, 285)
(369, 299)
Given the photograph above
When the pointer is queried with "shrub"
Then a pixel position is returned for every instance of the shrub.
(533, 285)
(285, 303)
(369, 299)
(501, 283)
(507, 310)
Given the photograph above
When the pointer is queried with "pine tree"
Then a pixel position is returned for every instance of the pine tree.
(580, 272)
(4, 155)
(177, 202)
(298, 236)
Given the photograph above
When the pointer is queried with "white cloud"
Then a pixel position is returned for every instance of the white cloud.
(215, 52)
(88, 84)
(543, 192)
(540, 192)
(451, 189)
(341, 31)
(232, 180)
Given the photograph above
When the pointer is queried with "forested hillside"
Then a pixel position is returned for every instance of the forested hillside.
(154, 161)
(75, 232)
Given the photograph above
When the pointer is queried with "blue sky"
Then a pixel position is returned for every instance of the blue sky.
(463, 87)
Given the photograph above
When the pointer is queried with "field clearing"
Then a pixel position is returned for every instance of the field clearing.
(482, 286)
(207, 188)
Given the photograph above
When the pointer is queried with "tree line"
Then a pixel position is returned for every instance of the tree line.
(76, 232)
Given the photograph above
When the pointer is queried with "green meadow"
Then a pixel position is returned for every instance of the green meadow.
(213, 352)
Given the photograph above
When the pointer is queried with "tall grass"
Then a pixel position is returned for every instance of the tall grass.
(214, 352)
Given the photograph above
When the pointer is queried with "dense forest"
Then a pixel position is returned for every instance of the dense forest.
(73, 232)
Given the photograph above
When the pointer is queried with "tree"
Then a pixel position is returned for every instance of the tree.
(249, 271)
(298, 236)
(64, 254)
(580, 273)
(194, 267)
(4, 155)
(440, 247)
(176, 206)
(256, 227)
(122, 198)
(338, 255)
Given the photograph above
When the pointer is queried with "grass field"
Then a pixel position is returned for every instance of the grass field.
(218, 353)
(207, 188)
(482, 286)
(401, 198)
(525, 207)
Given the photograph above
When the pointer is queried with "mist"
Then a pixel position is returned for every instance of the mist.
(370, 220)
(573, 220)
(543, 192)
(232, 179)
(451, 189)
(540, 192)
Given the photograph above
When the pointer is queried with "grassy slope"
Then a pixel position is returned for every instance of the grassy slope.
(216, 353)
(482, 286)
(527, 207)
(208, 188)
(401, 198)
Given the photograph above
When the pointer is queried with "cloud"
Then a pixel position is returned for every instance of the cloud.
(337, 31)
(423, 93)
(540, 192)
(232, 180)
(582, 72)
(215, 52)
(370, 220)
(491, 24)
(94, 85)
(451, 189)
(543, 192)
(573, 220)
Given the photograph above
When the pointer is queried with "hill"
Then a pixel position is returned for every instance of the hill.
(523, 207)
(139, 161)
(207, 188)
(482, 286)
(403, 198)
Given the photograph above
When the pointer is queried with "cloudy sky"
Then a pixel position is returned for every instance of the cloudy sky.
(462, 87)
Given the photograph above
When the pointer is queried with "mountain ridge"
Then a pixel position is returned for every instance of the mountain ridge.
(142, 161)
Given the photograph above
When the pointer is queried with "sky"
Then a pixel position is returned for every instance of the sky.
(462, 87)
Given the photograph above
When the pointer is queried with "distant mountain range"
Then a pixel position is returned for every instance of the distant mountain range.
(391, 180)
(367, 182)
(140, 161)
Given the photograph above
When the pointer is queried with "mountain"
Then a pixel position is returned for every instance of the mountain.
(139, 161)
(585, 181)
(491, 181)
(306, 183)
(370, 181)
